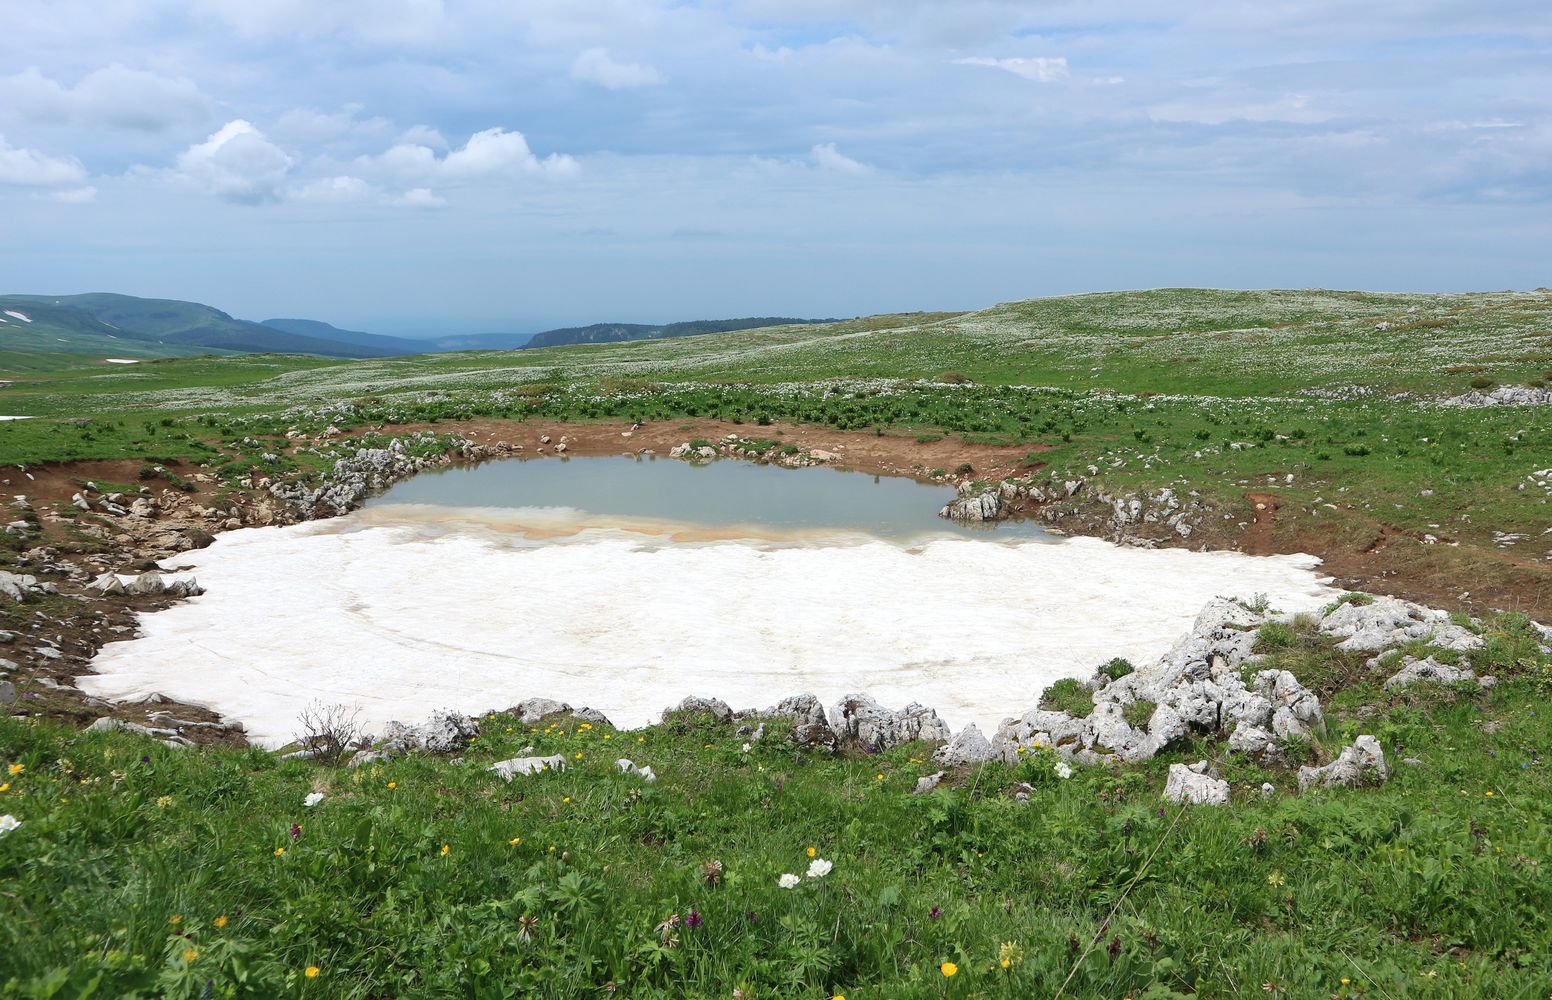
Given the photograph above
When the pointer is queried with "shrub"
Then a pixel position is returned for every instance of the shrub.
(964, 468)
(1481, 382)
(328, 731)
(953, 378)
(1117, 668)
(1274, 635)
(1070, 696)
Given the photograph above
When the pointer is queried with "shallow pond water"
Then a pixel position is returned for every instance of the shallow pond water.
(714, 495)
(579, 581)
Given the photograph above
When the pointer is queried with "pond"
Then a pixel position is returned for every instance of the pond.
(723, 498)
(627, 585)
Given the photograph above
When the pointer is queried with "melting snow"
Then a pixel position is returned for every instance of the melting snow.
(21, 316)
(400, 616)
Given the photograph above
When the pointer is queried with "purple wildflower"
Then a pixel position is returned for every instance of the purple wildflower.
(934, 913)
(693, 919)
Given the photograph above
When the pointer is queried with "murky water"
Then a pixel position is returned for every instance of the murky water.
(715, 495)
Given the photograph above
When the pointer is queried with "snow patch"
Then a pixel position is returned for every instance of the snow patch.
(18, 315)
(400, 618)
(120, 361)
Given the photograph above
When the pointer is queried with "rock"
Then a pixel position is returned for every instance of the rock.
(107, 583)
(510, 769)
(1388, 622)
(1268, 790)
(820, 455)
(531, 710)
(629, 767)
(146, 584)
(1361, 763)
(7, 692)
(858, 717)
(443, 733)
(197, 538)
(1249, 739)
(363, 757)
(1187, 786)
(927, 783)
(169, 737)
(1429, 671)
(17, 587)
(810, 727)
(968, 746)
(984, 507)
(591, 716)
(694, 705)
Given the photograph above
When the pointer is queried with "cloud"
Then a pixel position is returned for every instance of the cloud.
(237, 163)
(114, 96)
(493, 152)
(826, 157)
(333, 189)
(420, 198)
(1039, 68)
(74, 196)
(597, 66)
(34, 169)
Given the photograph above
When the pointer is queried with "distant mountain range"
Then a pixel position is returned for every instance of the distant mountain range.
(129, 327)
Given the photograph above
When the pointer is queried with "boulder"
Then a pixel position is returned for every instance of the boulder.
(17, 587)
(983, 507)
(968, 746)
(1185, 785)
(695, 705)
(531, 710)
(859, 718)
(1388, 622)
(927, 783)
(1429, 671)
(1361, 763)
(629, 767)
(509, 769)
(810, 727)
(443, 733)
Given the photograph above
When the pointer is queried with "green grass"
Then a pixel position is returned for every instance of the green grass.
(1426, 886)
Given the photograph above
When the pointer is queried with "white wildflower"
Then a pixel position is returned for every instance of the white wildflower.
(748, 747)
(1063, 769)
(9, 823)
(787, 881)
(313, 799)
(819, 868)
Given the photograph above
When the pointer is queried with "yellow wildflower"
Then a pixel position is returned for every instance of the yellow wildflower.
(175, 919)
(880, 776)
(393, 784)
(444, 850)
(949, 969)
(279, 851)
(311, 972)
(189, 954)
(1276, 878)
(812, 852)
(5, 787)
(1488, 793)
(566, 799)
(163, 801)
(220, 921)
(1346, 981)
(586, 726)
(17, 769)
(515, 841)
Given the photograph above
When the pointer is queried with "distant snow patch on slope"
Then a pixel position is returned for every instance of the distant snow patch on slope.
(120, 361)
(19, 315)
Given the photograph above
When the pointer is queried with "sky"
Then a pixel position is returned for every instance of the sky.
(455, 166)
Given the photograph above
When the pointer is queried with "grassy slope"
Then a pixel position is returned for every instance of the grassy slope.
(1431, 886)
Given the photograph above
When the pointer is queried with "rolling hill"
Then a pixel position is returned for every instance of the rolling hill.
(611, 333)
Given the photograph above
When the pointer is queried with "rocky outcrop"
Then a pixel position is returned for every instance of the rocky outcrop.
(1504, 395)
(981, 507)
(1431, 671)
(443, 733)
(694, 705)
(1363, 763)
(1199, 685)
(1194, 786)
(1387, 622)
(810, 726)
(355, 477)
(860, 719)
(18, 587)
(968, 746)
(532, 710)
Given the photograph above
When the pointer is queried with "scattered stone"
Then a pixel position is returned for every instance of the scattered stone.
(1429, 671)
(810, 727)
(509, 769)
(443, 733)
(1361, 763)
(968, 746)
(629, 767)
(1187, 786)
(694, 705)
(1388, 622)
(928, 782)
(1268, 790)
(859, 718)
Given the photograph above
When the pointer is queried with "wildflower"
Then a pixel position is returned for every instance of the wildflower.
(692, 920)
(880, 776)
(819, 868)
(17, 769)
(1488, 793)
(1345, 981)
(279, 851)
(1009, 954)
(787, 881)
(934, 913)
(665, 930)
(175, 919)
(1276, 878)
(748, 747)
(566, 800)
(577, 757)
(949, 970)
(312, 800)
(220, 921)
(6, 787)
(515, 841)
(812, 851)
(444, 850)
(189, 955)
(526, 927)
(393, 784)
(163, 801)
(586, 726)
(711, 871)
(311, 972)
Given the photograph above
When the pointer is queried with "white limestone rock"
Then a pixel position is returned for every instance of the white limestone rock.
(524, 766)
(1187, 786)
(1361, 763)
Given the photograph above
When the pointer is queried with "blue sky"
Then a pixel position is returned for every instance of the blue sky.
(430, 166)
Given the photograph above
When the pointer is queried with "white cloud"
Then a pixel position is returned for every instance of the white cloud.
(422, 135)
(1039, 68)
(35, 169)
(827, 157)
(597, 66)
(115, 96)
(493, 152)
(420, 198)
(236, 163)
(333, 189)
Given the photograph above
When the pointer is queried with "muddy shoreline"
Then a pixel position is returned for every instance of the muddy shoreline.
(54, 637)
